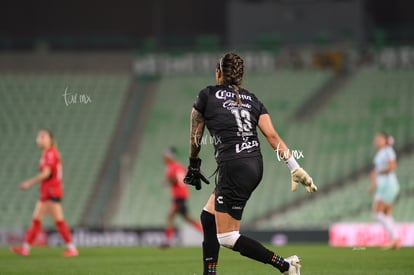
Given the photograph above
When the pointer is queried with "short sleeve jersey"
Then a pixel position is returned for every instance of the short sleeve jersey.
(383, 157)
(232, 126)
(179, 190)
(51, 158)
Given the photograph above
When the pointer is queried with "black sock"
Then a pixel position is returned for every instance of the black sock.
(211, 245)
(280, 263)
(254, 250)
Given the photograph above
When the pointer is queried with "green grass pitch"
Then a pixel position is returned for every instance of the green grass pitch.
(316, 259)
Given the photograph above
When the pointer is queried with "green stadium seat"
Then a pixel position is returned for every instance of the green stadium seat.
(83, 132)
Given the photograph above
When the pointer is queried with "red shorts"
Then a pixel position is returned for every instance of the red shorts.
(51, 192)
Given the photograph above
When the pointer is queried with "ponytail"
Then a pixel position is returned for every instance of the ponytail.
(236, 91)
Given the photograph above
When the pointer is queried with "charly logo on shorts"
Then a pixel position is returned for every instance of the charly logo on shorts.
(235, 207)
(219, 199)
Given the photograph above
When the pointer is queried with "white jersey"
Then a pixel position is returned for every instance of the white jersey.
(381, 160)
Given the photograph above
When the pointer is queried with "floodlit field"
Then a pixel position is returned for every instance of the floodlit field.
(316, 259)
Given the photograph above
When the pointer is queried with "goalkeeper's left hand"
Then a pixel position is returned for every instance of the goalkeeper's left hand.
(301, 176)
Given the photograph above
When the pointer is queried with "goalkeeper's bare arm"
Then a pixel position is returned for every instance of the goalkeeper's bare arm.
(298, 174)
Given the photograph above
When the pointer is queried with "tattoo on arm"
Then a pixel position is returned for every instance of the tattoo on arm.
(196, 132)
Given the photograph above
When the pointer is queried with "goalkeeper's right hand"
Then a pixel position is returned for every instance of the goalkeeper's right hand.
(301, 176)
(194, 175)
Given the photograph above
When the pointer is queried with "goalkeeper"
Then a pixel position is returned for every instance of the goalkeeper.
(232, 115)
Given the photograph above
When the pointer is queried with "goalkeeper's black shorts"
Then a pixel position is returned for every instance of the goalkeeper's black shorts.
(236, 180)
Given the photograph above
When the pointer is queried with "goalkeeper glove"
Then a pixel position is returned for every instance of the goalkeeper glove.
(301, 176)
(194, 175)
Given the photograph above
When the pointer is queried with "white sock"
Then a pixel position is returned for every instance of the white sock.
(70, 246)
(390, 226)
(26, 246)
(388, 223)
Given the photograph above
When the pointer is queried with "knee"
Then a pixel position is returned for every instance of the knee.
(170, 216)
(228, 239)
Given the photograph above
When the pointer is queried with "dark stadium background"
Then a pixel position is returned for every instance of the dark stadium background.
(123, 54)
(126, 24)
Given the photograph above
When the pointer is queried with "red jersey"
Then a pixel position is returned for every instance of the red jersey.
(179, 190)
(51, 187)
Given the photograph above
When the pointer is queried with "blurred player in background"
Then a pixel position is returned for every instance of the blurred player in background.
(51, 195)
(174, 174)
(384, 181)
(232, 115)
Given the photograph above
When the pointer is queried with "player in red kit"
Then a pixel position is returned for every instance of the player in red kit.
(175, 173)
(51, 194)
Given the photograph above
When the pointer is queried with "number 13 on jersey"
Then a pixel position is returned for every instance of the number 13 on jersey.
(243, 120)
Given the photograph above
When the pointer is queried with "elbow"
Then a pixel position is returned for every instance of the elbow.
(392, 166)
(45, 175)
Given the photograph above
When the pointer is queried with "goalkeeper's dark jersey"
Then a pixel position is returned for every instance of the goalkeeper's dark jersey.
(231, 126)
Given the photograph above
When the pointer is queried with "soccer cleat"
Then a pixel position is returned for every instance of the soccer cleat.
(393, 245)
(70, 252)
(20, 250)
(165, 245)
(294, 268)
